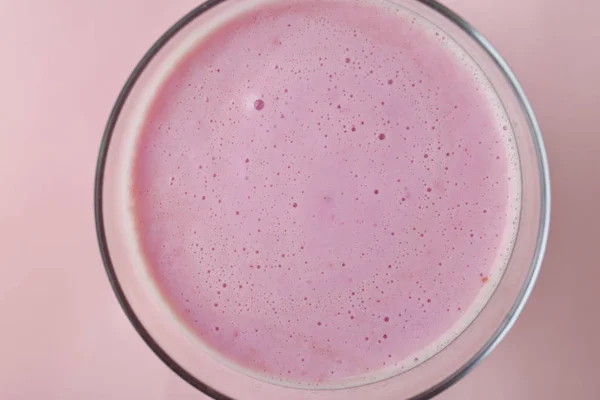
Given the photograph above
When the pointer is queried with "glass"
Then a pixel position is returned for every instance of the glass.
(182, 354)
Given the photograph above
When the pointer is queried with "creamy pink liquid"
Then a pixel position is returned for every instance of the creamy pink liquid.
(325, 192)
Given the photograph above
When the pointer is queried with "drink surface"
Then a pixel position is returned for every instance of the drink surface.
(325, 192)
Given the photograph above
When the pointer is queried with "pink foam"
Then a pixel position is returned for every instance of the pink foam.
(321, 190)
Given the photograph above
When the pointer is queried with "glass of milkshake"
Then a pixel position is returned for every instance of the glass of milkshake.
(322, 199)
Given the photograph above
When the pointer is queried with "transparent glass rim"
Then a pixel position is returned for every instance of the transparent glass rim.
(505, 325)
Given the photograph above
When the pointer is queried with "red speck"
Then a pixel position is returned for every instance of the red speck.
(484, 279)
(376, 191)
(318, 323)
(247, 160)
(259, 104)
(387, 319)
(295, 205)
(425, 155)
(381, 136)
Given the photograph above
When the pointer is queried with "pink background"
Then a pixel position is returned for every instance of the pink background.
(63, 335)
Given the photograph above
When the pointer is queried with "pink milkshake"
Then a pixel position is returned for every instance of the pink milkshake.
(325, 192)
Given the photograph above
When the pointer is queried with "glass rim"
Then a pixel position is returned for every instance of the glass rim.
(507, 322)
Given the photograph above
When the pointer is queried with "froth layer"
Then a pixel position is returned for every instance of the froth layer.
(325, 192)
